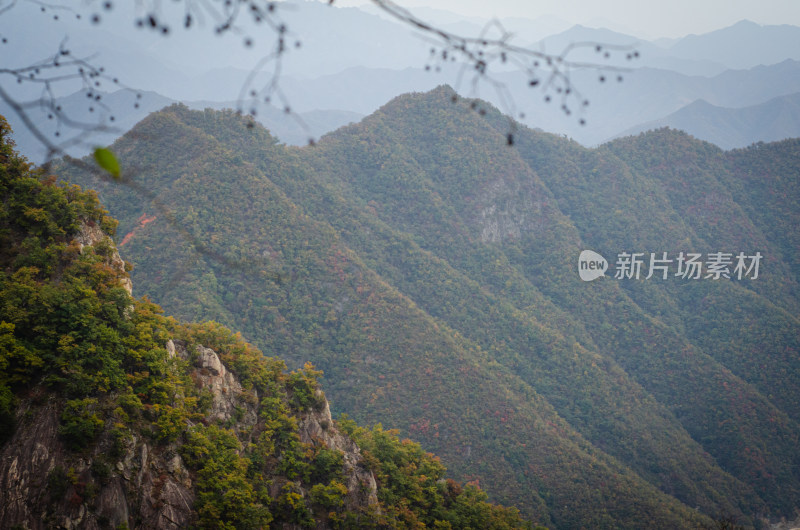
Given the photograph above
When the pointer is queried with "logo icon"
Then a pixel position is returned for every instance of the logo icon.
(591, 265)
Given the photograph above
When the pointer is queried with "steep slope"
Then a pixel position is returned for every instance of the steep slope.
(495, 201)
(294, 283)
(675, 345)
(112, 415)
(764, 182)
(430, 271)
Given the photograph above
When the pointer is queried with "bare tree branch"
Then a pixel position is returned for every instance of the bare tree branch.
(478, 56)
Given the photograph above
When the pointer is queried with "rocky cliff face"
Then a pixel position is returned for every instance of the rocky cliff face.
(317, 428)
(45, 485)
(509, 208)
(90, 234)
(128, 477)
(113, 415)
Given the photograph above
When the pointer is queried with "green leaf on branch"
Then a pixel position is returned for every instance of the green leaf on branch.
(106, 160)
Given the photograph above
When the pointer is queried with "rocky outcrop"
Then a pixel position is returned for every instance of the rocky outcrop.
(317, 427)
(90, 234)
(785, 525)
(507, 209)
(226, 391)
(25, 469)
(46, 486)
(128, 474)
(134, 480)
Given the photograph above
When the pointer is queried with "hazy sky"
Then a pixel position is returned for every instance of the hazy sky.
(643, 18)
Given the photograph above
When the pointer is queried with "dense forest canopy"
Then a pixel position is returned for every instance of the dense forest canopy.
(592, 337)
(417, 259)
(77, 349)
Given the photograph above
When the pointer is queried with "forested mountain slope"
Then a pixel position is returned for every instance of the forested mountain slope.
(114, 416)
(431, 271)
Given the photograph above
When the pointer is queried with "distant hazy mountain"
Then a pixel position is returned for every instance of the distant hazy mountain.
(523, 29)
(648, 94)
(743, 45)
(650, 55)
(728, 128)
(354, 61)
(128, 109)
(616, 108)
(359, 89)
(534, 30)
(738, 47)
(644, 95)
(331, 39)
(123, 105)
(186, 65)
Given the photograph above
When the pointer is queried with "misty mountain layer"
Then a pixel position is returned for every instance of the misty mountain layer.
(351, 61)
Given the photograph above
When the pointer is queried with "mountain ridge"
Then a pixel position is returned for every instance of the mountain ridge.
(418, 227)
(113, 415)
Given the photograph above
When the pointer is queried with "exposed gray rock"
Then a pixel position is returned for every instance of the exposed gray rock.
(225, 389)
(317, 427)
(210, 361)
(786, 525)
(146, 485)
(170, 349)
(113, 504)
(25, 463)
(89, 235)
(507, 209)
(45, 486)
